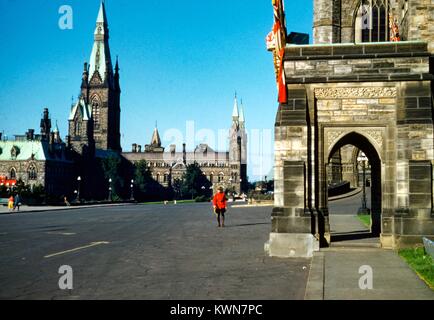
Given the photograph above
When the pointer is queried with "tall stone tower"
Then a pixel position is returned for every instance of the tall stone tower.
(238, 147)
(243, 136)
(100, 89)
(327, 21)
(349, 21)
(45, 125)
(366, 82)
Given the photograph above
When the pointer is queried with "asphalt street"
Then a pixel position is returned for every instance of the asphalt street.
(349, 206)
(145, 252)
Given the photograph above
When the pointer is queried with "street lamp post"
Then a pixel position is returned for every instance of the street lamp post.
(363, 210)
(78, 189)
(132, 190)
(110, 190)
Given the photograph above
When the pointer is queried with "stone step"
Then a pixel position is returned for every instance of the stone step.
(353, 246)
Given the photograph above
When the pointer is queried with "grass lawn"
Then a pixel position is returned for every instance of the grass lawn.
(421, 263)
(366, 220)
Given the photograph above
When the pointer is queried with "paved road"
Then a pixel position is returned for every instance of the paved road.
(349, 206)
(146, 252)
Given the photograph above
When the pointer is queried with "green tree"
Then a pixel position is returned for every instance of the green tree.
(177, 188)
(195, 182)
(143, 179)
(111, 168)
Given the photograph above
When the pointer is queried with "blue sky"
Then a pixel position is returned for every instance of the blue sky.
(180, 61)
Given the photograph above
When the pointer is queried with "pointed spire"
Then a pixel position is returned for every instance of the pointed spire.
(85, 77)
(56, 132)
(242, 118)
(100, 59)
(102, 16)
(235, 113)
(117, 65)
(156, 141)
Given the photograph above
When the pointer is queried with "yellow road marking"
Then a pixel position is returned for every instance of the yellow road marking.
(93, 244)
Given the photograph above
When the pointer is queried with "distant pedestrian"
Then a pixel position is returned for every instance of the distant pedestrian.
(11, 203)
(65, 199)
(220, 206)
(17, 203)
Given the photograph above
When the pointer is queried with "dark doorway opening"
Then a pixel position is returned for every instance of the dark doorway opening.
(346, 219)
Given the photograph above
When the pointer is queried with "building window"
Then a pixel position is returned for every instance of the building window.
(372, 21)
(33, 174)
(221, 177)
(96, 115)
(77, 128)
(13, 174)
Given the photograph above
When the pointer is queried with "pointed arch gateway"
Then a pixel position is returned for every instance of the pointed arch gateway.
(365, 145)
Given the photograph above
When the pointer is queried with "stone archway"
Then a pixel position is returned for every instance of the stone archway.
(362, 143)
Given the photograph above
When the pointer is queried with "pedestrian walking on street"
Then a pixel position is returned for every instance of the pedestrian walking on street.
(11, 203)
(17, 202)
(65, 199)
(220, 207)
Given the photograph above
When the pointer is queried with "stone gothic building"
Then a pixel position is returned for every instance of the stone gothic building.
(94, 128)
(226, 169)
(94, 134)
(367, 81)
(94, 121)
(37, 159)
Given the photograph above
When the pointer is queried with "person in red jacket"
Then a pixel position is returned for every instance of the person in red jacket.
(220, 206)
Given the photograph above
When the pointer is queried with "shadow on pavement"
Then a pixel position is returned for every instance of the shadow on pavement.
(353, 235)
(247, 225)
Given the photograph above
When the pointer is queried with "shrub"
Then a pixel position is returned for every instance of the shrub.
(202, 199)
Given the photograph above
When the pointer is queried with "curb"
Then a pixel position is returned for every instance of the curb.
(251, 205)
(316, 280)
(346, 195)
(69, 208)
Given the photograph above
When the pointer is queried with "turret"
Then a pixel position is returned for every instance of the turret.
(45, 125)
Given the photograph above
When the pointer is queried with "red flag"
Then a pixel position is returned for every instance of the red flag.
(283, 95)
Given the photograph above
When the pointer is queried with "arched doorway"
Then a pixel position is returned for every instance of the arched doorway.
(363, 144)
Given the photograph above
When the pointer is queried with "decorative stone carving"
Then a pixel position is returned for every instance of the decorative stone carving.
(15, 151)
(376, 135)
(334, 135)
(366, 92)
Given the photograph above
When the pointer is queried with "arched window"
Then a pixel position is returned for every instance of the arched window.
(221, 177)
(372, 21)
(96, 112)
(13, 174)
(77, 128)
(32, 173)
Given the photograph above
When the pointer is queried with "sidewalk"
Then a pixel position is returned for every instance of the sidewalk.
(27, 209)
(334, 273)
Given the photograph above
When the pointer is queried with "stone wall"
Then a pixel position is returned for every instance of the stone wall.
(334, 20)
(420, 22)
(22, 168)
(376, 97)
